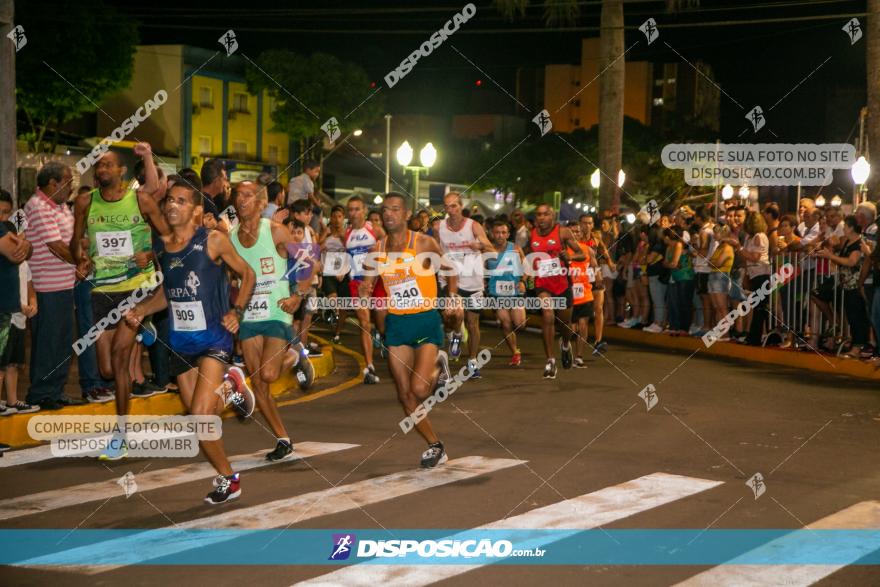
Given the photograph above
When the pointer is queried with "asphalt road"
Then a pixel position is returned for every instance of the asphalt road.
(813, 439)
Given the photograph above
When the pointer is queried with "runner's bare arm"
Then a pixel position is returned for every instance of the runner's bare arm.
(569, 241)
(151, 305)
(151, 176)
(220, 247)
(370, 273)
(483, 241)
(281, 236)
(150, 210)
(80, 212)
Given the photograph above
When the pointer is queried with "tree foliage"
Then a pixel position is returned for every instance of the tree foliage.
(68, 67)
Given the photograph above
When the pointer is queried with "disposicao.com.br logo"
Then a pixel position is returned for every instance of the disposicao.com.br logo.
(344, 544)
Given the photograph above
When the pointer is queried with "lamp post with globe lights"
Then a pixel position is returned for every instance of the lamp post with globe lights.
(427, 158)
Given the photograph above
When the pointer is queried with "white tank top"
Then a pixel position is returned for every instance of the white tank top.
(359, 242)
(457, 247)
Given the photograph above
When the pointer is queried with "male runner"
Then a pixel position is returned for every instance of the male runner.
(507, 282)
(413, 327)
(360, 238)
(592, 239)
(114, 219)
(581, 273)
(334, 284)
(551, 241)
(462, 240)
(193, 261)
(266, 324)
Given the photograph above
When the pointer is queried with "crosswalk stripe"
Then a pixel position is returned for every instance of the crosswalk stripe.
(863, 515)
(36, 503)
(580, 513)
(112, 554)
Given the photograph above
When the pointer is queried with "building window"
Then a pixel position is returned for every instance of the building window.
(272, 154)
(205, 145)
(240, 103)
(206, 97)
(658, 101)
(239, 149)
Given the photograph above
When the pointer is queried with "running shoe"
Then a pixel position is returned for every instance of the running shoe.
(377, 338)
(304, 372)
(147, 389)
(4, 448)
(445, 374)
(579, 363)
(315, 350)
(238, 361)
(455, 345)
(435, 455)
(516, 359)
(370, 377)
(336, 339)
(5, 411)
(474, 370)
(653, 328)
(116, 450)
(282, 450)
(20, 407)
(225, 489)
(99, 395)
(693, 330)
(238, 394)
(147, 334)
(331, 317)
(601, 347)
(550, 369)
(567, 355)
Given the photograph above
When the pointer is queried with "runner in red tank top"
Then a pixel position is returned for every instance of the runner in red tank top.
(548, 244)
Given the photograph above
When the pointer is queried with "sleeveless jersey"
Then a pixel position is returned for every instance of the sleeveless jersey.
(197, 293)
(410, 291)
(505, 272)
(456, 246)
(271, 273)
(333, 258)
(116, 231)
(359, 242)
(581, 273)
(549, 272)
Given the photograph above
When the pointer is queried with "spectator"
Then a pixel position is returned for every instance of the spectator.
(275, 192)
(520, 233)
(215, 185)
(681, 281)
(771, 218)
(302, 187)
(756, 252)
(50, 228)
(658, 277)
(720, 263)
(703, 246)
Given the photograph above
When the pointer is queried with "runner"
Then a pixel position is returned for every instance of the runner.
(507, 281)
(334, 284)
(462, 240)
(413, 333)
(193, 261)
(114, 220)
(598, 256)
(302, 210)
(582, 275)
(550, 241)
(360, 238)
(266, 324)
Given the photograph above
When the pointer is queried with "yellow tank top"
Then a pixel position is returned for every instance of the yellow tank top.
(716, 256)
(411, 289)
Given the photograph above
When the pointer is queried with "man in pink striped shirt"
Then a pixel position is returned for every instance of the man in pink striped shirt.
(50, 227)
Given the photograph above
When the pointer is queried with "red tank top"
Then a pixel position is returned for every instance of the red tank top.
(551, 272)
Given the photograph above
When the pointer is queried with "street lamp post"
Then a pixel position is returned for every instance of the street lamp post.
(861, 169)
(427, 158)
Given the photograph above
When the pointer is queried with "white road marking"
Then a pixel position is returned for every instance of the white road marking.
(864, 515)
(143, 546)
(580, 513)
(45, 501)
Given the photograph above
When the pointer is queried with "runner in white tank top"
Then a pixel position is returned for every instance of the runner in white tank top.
(463, 241)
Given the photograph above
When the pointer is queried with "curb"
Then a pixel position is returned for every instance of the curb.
(13, 429)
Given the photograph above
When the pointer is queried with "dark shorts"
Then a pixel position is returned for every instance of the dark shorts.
(414, 330)
(105, 302)
(584, 310)
(179, 364)
(703, 284)
(6, 329)
(303, 309)
(270, 328)
(334, 286)
(565, 294)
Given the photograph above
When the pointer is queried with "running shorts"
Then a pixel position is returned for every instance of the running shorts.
(414, 330)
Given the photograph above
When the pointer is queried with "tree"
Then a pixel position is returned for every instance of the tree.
(67, 68)
(872, 58)
(309, 91)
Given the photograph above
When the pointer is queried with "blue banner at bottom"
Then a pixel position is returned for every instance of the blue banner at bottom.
(111, 548)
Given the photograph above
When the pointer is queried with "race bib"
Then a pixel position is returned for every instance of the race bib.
(257, 308)
(505, 288)
(591, 274)
(406, 295)
(188, 316)
(357, 263)
(549, 267)
(577, 290)
(114, 244)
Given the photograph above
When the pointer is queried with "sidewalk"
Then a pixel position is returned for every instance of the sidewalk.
(13, 429)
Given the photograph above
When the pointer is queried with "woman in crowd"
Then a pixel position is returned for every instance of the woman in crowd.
(756, 252)
(719, 277)
(658, 276)
(681, 281)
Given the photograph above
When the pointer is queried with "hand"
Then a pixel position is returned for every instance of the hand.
(291, 304)
(866, 249)
(22, 248)
(83, 268)
(143, 149)
(281, 215)
(29, 310)
(142, 260)
(521, 287)
(230, 321)
(476, 246)
(134, 317)
(824, 253)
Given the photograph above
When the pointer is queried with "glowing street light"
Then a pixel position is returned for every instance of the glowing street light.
(404, 154)
(594, 180)
(621, 177)
(358, 132)
(428, 155)
(820, 201)
(631, 218)
(836, 201)
(377, 199)
(570, 200)
(861, 169)
(744, 192)
(727, 192)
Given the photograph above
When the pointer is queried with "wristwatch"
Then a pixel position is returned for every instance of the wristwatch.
(239, 311)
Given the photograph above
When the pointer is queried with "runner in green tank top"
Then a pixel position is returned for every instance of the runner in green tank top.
(114, 220)
(265, 329)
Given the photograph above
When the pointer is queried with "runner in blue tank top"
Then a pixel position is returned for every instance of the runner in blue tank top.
(194, 290)
(507, 281)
